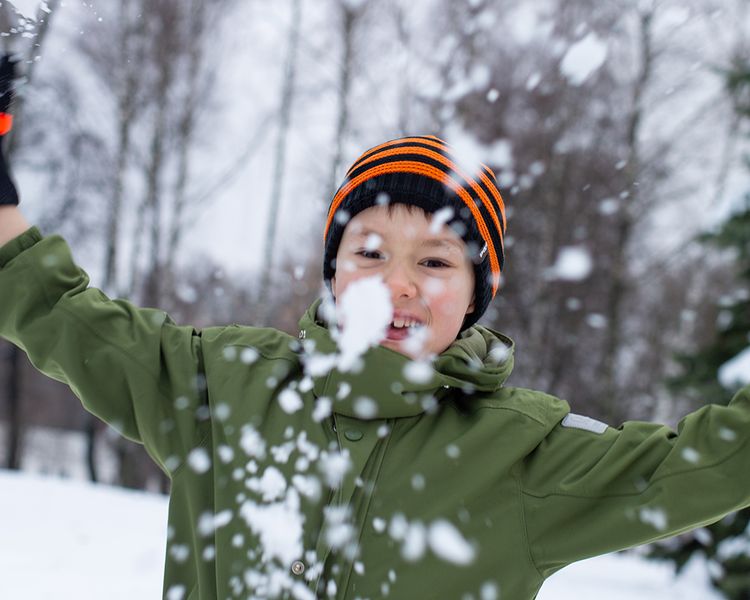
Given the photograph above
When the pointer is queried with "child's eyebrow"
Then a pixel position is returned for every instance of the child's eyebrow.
(448, 244)
(445, 243)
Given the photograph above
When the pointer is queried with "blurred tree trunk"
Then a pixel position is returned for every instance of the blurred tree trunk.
(626, 217)
(126, 84)
(348, 16)
(277, 183)
(199, 82)
(15, 422)
(152, 294)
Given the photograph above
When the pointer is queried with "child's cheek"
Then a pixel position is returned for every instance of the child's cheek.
(348, 266)
(434, 288)
(440, 297)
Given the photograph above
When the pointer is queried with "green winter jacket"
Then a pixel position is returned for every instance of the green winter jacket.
(389, 483)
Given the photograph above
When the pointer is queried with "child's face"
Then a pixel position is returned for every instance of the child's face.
(426, 269)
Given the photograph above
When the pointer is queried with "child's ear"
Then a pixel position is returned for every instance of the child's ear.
(470, 309)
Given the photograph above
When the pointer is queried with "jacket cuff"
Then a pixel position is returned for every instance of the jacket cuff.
(18, 244)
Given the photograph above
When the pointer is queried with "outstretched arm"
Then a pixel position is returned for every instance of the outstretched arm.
(131, 367)
(591, 491)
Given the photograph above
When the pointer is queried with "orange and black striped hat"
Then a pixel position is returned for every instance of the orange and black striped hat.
(424, 171)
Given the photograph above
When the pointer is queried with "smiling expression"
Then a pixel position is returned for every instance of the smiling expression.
(425, 268)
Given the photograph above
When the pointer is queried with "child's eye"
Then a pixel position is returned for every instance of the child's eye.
(435, 263)
(375, 254)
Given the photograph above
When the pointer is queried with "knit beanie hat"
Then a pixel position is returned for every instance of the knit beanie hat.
(423, 171)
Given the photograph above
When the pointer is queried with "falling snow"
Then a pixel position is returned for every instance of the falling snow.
(583, 59)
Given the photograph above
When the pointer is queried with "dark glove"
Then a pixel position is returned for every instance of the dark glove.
(8, 194)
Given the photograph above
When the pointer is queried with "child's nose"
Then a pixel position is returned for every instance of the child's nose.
(400, 281)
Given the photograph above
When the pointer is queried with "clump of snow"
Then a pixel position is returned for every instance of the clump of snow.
(500, 154)
(199, 460)
(499, 353)
(489, 591)
(418, 371)
(307, 485)
(270, 486)
(290, 401)
(596, 320)
(440, 218)
(655, 517)
(318, 364)
(248, 355)
(440, 536)
(467, 151)
(573, 263)
(209, 522)
(176, 592)
(365, 408)
(673, 16)
(322, 409)
(278, 526)
(533, 80)
(448, 543)
(736, 372)
(734, 547)
(180, 552)
(414, 542)
(691, 455)
(609, 206)
(252, 442)
(373, 242)
(222, 411)
(583, 58)
(413, 536)
(339, 530)
(306, 447)
(226, 453)
(334, 465)
(364, 314)
(282, 452)
(415, 343)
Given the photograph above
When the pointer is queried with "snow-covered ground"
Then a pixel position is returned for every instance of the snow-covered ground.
(70, 539)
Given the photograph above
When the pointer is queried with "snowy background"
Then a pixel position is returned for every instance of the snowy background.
(72, 539)
(411, 73)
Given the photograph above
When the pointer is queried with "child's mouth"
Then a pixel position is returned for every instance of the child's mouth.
(398, 334)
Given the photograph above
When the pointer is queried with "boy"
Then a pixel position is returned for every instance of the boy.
(408, 470)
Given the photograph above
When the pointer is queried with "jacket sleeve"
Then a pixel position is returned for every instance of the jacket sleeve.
(586, 493)
(131, 367)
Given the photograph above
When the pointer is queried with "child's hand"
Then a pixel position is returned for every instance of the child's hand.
(8, 193)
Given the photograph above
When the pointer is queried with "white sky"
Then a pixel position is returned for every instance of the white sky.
(250, 52)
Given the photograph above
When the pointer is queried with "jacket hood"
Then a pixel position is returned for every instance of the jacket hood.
(389, 384)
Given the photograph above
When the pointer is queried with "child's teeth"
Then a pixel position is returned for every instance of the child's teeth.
(401, 323)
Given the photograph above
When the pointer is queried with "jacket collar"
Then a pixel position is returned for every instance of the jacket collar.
(480, 360)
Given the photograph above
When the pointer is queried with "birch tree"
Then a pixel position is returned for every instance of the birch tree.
(277, 183)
